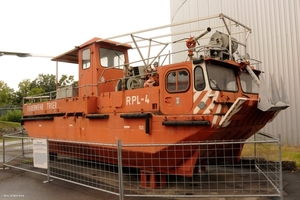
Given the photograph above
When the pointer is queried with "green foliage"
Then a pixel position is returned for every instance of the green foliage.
(65, 80)
(3, 118)
(22, 92)
(42, 84)
(12, 116)
(5, 125)
(6, 94)
(47, 82)
(35, 91)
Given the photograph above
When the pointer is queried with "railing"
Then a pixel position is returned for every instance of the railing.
(61, 92)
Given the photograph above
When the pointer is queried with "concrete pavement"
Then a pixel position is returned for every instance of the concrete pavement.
(19, 184)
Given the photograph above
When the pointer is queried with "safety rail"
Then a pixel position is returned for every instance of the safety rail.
(62, 92)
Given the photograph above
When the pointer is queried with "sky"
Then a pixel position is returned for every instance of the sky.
(56, 26)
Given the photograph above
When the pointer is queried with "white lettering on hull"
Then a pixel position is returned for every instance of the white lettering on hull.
(35, 107)
(52, 105)
(136, 100)
(40, 106)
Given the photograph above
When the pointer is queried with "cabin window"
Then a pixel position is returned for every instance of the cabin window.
(221, 78)
(199, 78)
(86, 59)
(248, 84)
(111, 58)
(178, 81)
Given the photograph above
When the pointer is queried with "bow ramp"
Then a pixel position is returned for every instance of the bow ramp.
(271, 97)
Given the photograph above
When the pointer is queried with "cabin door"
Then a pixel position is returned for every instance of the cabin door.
(86, 75)
(177, 96)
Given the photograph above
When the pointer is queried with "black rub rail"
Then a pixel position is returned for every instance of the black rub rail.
(147, 117)
(186, 123)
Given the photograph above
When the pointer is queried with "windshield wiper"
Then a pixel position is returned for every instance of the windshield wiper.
(216, 84)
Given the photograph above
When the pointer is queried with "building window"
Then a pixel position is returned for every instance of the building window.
(178, 81)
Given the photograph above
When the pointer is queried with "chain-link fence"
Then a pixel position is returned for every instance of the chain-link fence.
(116, 168)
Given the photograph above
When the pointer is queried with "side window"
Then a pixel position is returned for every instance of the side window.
(111, 58)
(178, 81)
(199, 78)
(248, 84)
(86, 59)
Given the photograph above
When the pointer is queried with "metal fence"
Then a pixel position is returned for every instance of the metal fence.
(4, 110)
(108, 168)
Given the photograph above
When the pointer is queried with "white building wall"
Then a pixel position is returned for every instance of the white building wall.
(275, 40)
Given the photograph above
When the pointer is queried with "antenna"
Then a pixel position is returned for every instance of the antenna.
(178, 10)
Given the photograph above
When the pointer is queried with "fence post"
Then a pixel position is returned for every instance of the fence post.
(120, 170)
(255, 152)
(23, 143)
(280, 167)
(3, 148)
(48, 163)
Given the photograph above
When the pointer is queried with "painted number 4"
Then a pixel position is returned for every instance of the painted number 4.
(147, 100)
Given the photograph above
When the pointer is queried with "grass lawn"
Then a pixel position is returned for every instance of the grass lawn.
(290, 153)
(4, 125)
(271, 152)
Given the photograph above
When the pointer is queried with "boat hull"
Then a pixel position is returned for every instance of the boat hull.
(173, 149)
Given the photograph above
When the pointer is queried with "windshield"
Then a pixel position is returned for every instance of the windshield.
(111, 58)
(248, 84)
(221, 78)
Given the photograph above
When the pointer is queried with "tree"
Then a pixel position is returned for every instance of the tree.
(44, 81)
(65, 80)
(36, 91)
(6, 94)
(22, 92)
(26, 88)
(47, 82)
(42, 84)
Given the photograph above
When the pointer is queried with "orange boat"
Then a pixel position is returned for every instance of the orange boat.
(214, 92)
